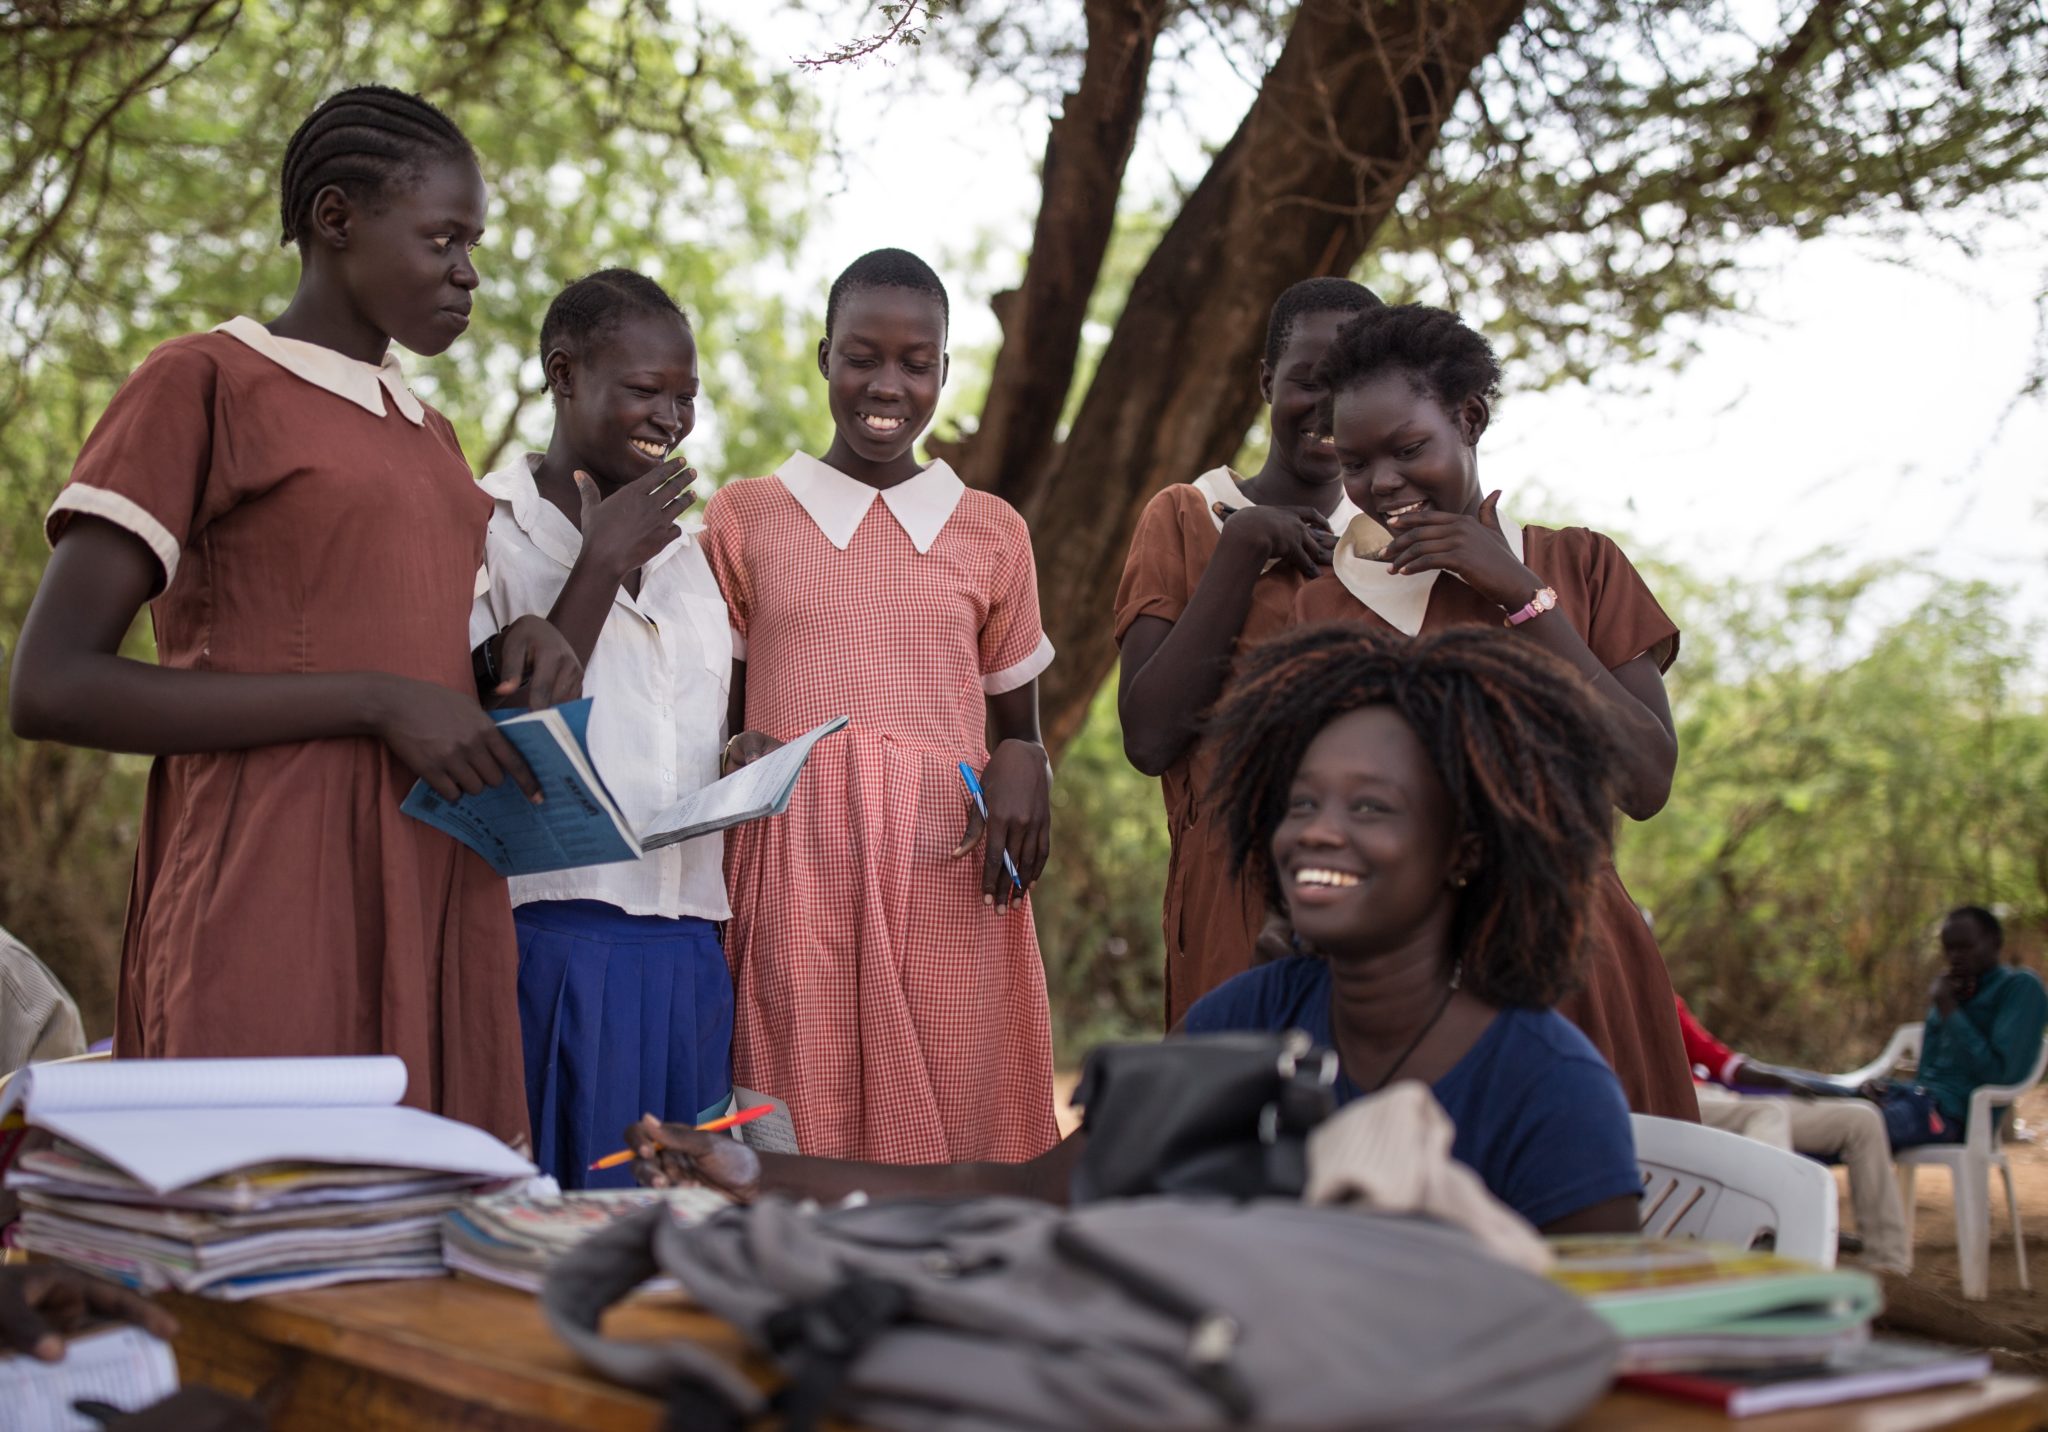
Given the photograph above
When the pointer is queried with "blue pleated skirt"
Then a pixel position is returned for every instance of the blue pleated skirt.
(621, 1015)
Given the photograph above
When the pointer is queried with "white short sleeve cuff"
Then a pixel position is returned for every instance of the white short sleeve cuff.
(126, 514)
(1014, 676)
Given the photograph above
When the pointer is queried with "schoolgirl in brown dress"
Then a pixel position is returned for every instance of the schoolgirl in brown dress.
(307, 535)
(1410, 391)
(1213, 569)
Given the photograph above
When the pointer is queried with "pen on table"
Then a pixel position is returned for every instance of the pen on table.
(974, 791)
(728, 1121)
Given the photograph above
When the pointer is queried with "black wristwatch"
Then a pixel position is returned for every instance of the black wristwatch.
(483, 662)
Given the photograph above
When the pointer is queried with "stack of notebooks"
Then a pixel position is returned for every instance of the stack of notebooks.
(236, 1177)
(1744, 1331)
(511, 1238)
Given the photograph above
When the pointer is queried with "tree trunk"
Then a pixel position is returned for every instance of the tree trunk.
(1342, 124)
(1085, 156)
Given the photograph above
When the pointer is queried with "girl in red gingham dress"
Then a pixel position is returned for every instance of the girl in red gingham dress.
(886, 975)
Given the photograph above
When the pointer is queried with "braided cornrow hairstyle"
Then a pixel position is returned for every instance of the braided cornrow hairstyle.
(367, 140)
(887, 268)
(1312, 295)
(1432, 345)
(585, 311)
(1522, 751)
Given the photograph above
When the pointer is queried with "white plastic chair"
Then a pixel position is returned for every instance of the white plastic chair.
(1704, 1183)
(1969, 1164)
(1904, 1045)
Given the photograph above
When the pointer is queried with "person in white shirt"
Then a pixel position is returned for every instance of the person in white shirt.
(38, 1018)
(625, 1001)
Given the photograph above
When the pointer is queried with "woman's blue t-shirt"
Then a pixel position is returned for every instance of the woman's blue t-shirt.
(1539, 1115)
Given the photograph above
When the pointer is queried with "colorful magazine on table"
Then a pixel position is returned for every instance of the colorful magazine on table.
(580, 823)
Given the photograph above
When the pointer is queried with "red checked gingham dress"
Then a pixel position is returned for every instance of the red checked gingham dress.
(899, 1017)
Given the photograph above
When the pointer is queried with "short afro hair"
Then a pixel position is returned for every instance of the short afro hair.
(368, 141)
(588, 309)
(887, 268)
(1983, 919)
(1432, 346)
(1310, 296)
(1524, 754)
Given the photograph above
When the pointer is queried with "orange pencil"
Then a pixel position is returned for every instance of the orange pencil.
(729, 1121)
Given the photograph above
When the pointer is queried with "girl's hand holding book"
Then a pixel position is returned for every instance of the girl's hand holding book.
(624, 531)
(445, 738)
(1018, 787)
(745, 749)
(532, 654)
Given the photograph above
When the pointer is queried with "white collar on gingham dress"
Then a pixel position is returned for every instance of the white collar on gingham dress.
(837, 503)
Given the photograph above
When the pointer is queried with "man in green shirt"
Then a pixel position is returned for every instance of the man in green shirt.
(1984, 1026)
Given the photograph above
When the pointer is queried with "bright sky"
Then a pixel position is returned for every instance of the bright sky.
(1868, 400)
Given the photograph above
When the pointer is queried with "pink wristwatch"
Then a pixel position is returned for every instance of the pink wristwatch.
(1543, 601)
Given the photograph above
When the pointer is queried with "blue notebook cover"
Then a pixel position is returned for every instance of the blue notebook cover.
(578, 824)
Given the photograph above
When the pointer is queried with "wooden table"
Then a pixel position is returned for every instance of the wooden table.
(448, 1353)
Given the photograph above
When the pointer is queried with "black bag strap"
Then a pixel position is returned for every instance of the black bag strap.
(818, 1340)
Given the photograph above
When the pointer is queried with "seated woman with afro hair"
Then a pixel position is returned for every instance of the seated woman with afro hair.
(1432, 813)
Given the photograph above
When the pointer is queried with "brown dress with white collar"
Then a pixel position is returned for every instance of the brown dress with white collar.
(1626, 1005)
(281, 903)
(1212, 917)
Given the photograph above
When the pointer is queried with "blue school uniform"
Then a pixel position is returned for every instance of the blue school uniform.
(625, 1000)
(1539, 1115)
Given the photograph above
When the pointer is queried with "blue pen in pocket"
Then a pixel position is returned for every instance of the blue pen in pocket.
(974, 794)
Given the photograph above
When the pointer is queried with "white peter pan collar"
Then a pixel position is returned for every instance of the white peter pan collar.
(1401, 601)
(363, 384)
(838, 503)
(1219, 484)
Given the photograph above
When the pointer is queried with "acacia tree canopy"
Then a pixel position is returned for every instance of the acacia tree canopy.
(138, 195)
(1578, 175)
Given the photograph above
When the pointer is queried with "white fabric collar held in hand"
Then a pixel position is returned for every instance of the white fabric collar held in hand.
(1401, 600)
(1219, 484)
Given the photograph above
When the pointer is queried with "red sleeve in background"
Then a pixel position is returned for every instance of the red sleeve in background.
(1702, 1050)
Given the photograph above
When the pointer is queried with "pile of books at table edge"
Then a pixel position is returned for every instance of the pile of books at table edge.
(1748, 1332)
(237, 1177)
(511, 1238)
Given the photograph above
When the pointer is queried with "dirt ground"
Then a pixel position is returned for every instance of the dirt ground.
(1929, 1302)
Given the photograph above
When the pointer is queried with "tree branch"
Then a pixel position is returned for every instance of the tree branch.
(1176, 387)
(1086, 152)
(901, 16)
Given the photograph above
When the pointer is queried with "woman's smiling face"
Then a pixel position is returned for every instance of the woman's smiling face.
(1366, 848)
(1292, 389)
(1400, 450)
